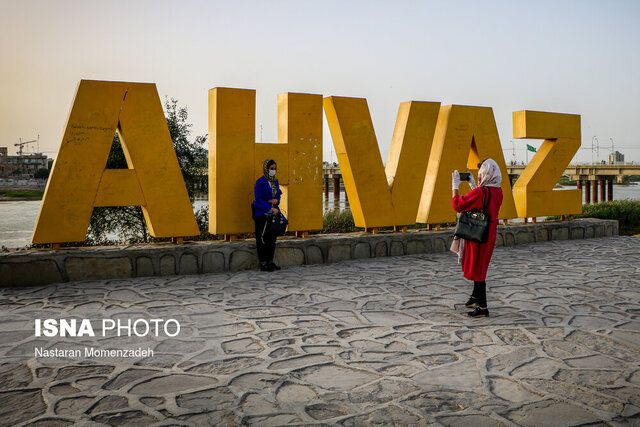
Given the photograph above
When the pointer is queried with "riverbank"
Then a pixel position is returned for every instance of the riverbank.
(626, 212)
(18, 199)
(19, 217)
(16, 194)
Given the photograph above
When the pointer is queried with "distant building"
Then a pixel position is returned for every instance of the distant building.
(616, 157)
(21, 166)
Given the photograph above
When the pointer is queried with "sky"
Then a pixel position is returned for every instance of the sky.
(579, 57)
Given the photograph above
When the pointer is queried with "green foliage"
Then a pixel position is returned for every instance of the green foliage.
(564, 180)
(192, 155)
(116, 159)
(420, 225)
(41, 173)
(127, 222)
(627, 212)
(337, 221)
(202, 218)
(34, 194)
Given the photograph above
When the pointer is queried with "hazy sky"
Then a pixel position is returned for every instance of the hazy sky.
(562, 56)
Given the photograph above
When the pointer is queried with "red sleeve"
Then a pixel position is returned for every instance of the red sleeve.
(471, 200)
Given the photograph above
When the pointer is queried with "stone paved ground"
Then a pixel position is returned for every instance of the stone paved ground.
(382, 341)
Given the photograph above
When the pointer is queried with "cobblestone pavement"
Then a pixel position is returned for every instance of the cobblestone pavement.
(382, 341)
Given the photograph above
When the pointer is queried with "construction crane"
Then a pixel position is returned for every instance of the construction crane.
(22, 144)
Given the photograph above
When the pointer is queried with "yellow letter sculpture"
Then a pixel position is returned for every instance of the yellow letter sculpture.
(533, 192)
(377, 200)
(235, 160)
(428, 143)
(79, 180)
(464, 136)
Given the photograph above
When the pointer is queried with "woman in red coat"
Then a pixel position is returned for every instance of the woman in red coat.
(475, 257)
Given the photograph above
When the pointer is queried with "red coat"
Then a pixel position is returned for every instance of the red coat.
(478, 255)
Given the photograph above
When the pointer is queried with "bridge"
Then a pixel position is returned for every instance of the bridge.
(590, 172)
(333, 174)
(588, 176)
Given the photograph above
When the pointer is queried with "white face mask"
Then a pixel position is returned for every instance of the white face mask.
(272, 172)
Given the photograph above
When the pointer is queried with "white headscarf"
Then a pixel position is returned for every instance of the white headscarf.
(489, 174)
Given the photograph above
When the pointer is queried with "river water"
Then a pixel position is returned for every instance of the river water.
(18, 218)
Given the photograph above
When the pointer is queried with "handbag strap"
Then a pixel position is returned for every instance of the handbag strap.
(485, 208)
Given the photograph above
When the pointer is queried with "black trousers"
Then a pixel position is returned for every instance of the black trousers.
(265, 241)
(480, 292)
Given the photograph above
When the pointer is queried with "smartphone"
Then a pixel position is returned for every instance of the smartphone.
(464, 176)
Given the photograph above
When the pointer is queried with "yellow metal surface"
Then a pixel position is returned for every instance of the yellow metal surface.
(147, 145)
(300, 128)
(277, 152)
(231, 159)
(464, 135)
(357, 150)
(79, 181)
(235, 159)
(428, 143)
(533, 192)
(380, 196)
(409, 156)
(119, 187)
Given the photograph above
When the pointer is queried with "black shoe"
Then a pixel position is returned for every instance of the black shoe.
(274, 266)
(473, 302)
(265, 266)
(478, 312)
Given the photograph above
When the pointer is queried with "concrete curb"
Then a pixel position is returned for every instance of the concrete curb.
(41, 267)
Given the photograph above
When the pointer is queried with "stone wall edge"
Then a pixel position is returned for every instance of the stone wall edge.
(11, 263)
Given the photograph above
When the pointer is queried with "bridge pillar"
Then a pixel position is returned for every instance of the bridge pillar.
(587, 192)
(595, 190)
(603, 190)
(336, 187)
(326, 186)
(610, 192)
(579, 187)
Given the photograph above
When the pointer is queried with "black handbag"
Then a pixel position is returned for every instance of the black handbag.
(277, 224)
(473, 225)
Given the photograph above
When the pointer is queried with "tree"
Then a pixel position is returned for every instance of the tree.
(41, 173)
(127, 222)
(192, 155)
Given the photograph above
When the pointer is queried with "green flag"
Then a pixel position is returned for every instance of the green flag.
(530, 148)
